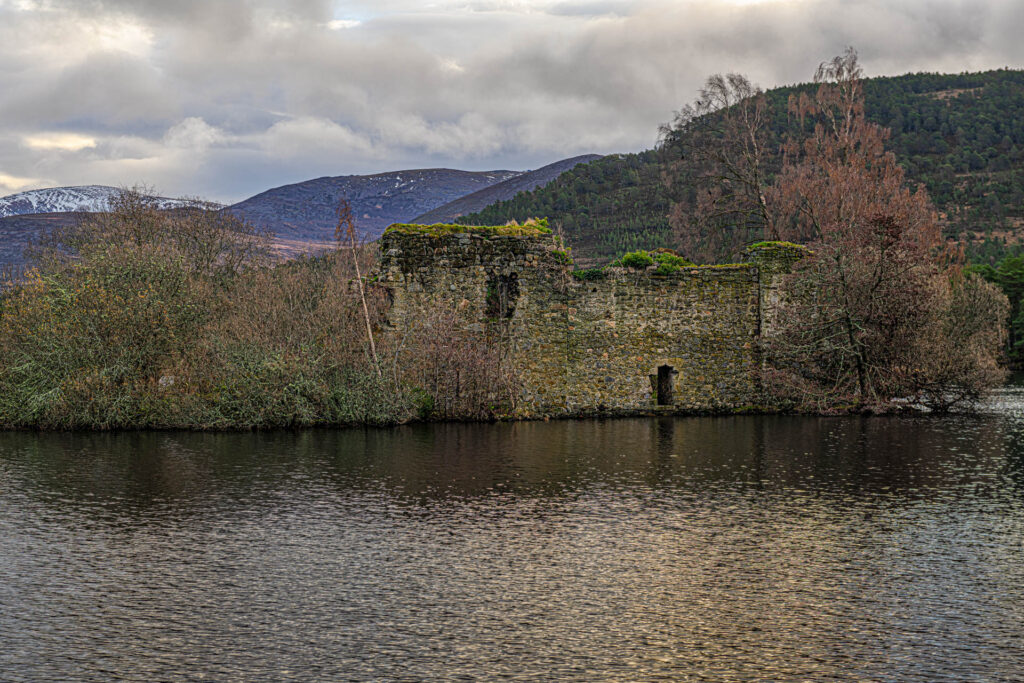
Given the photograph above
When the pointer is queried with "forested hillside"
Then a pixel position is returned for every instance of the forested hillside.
(506, 189)
(963, 137)
(959, 135)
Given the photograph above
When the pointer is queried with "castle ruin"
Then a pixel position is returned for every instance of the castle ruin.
(620, 342)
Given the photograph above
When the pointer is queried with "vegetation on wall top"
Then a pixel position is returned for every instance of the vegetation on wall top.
(775, 245)
(666, 260)
(528, 228)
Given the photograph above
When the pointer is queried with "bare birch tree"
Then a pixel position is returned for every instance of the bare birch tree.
(346, 230)
(718, 153)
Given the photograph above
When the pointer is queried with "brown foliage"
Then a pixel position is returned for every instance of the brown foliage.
(457, 369)
(955, 360)
(869, 317)
(306, 303)
(145, 318)
(840, 183)
(111, 306)
(211, 243)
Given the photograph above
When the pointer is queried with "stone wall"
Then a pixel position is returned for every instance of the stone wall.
(700, 322)
(630, 342)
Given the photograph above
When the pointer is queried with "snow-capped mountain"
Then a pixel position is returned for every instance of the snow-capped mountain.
(302, 216)
(87, 198)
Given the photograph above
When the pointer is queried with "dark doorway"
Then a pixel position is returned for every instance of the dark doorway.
(665, 373)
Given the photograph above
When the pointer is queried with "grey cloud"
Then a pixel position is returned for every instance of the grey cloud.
(594, 8)
(226, 98)
(105, 92)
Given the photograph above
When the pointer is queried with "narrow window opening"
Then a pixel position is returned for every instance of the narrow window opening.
(665, 373)
(502, 295)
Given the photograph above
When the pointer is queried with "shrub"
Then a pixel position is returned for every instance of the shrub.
(561, 256)
(589, 274)
(637, 260)
(139, 318)
(454, 371)
(667, 260)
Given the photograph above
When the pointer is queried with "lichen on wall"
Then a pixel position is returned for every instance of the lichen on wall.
(627, 341)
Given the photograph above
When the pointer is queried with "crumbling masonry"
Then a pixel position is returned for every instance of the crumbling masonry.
(624, 342)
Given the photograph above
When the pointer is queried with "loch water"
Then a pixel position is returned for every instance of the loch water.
(729, 548)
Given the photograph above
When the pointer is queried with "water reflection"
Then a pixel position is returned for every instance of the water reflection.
(735, 548)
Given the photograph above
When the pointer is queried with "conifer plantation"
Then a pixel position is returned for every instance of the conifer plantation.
(957, 134)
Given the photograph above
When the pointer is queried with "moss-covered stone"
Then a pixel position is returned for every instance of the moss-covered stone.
(529, 228)
(776, 256)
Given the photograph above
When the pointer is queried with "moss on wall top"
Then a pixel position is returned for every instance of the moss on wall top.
(777, 246)
(532, 227)
(777, 257)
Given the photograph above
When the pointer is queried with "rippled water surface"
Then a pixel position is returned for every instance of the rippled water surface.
(745, 548)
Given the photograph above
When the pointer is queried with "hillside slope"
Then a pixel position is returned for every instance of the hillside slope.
(506, 189)
(18, 232)
(82, 198)
(960, 135)
(308, 210)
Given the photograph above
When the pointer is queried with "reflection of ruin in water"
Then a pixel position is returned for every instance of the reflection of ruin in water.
(526, 537)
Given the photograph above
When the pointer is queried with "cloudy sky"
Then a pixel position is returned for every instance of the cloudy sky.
(226, 98)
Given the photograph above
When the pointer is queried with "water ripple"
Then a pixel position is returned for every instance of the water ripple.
(746, 548)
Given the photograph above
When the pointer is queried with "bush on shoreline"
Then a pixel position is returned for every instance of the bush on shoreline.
(139, 318)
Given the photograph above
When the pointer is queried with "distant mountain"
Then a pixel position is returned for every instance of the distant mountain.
(302, 216)
(506, 189)
(85, 198)
(17, 232)
(308, 210)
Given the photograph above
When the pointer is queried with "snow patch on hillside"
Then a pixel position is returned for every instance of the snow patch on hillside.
(89, 198)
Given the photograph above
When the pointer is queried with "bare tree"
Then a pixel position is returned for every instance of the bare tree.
(346, 229)
(957, 356)
(867, 316)
(718, 153)
(454, 370)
